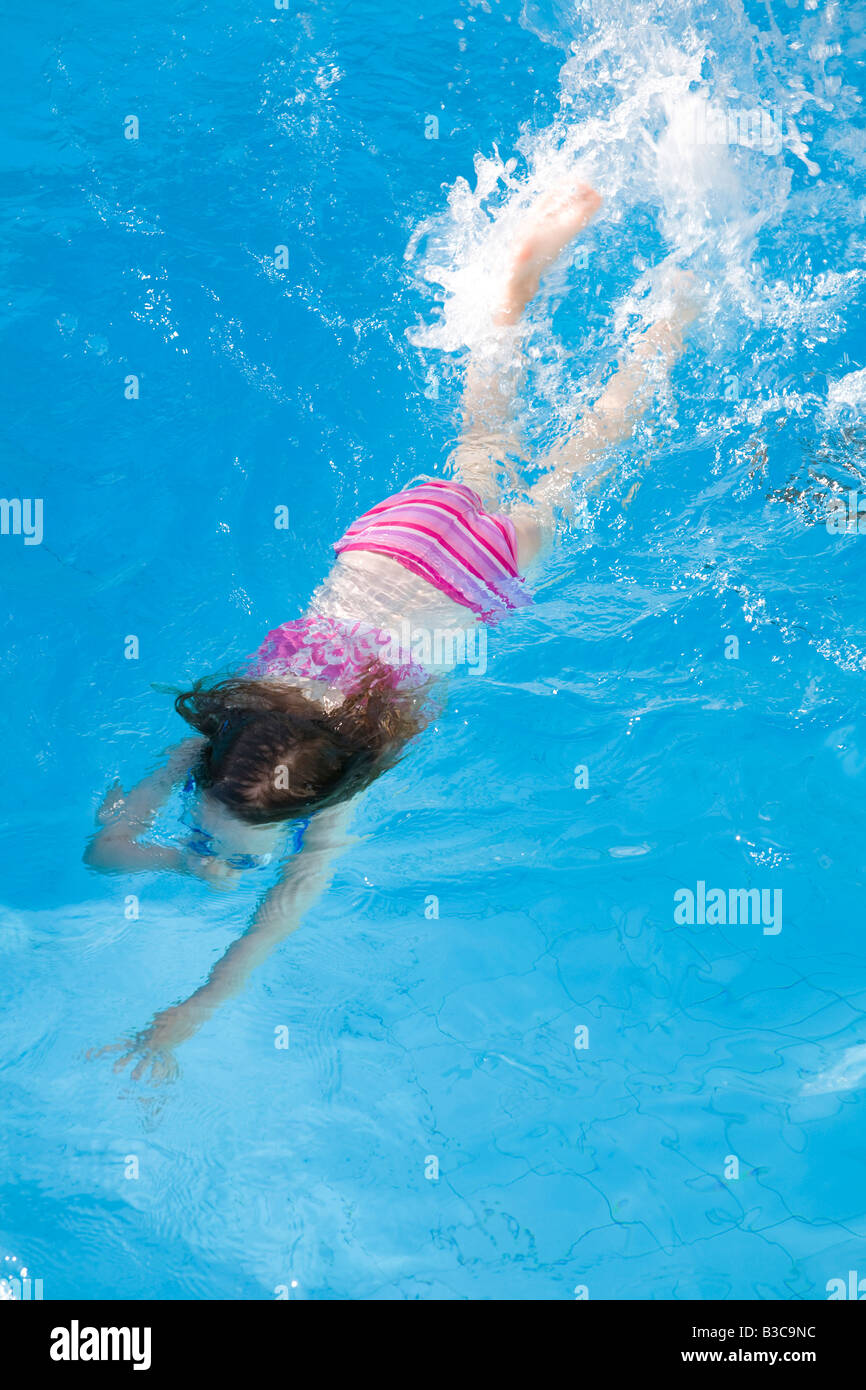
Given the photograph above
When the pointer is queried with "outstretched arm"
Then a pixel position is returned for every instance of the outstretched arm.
(126, 816)
(305, 878)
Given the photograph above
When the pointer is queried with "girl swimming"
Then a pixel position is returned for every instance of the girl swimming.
(331, 700)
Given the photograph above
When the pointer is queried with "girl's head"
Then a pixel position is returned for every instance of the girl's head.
(273, 754)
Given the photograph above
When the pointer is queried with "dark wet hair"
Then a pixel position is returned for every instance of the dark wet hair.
(273, 753)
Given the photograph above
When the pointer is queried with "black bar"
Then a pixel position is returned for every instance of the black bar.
(646, 1338)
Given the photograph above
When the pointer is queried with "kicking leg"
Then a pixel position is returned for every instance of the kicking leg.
(650, 355)
(488, 433)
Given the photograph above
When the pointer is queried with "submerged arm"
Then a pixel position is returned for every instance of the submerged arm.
(304, 879)
(126, 816)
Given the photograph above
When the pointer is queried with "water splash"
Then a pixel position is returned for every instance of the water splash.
(716, 139)
(723, 139)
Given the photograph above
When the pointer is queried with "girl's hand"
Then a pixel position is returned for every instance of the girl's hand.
(214, 871)
(160, 1061)
(154, 1046)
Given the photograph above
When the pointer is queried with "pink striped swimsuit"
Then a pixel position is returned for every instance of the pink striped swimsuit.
(440, 531)
(437, 530)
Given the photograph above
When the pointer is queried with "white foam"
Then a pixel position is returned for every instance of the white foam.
(848, 390)
(846, 1074)
(680, 110)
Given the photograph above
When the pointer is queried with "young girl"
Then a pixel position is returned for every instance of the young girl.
(281, 749)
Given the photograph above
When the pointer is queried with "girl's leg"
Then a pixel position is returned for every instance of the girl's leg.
(649, 356)
(488, 432)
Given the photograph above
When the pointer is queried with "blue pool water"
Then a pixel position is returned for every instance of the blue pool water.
(321, 386)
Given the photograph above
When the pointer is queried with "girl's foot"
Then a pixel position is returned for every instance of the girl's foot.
(553, 222)
(680, 289)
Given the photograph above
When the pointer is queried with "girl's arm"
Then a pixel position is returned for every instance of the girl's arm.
(304, 879)
(125, 816)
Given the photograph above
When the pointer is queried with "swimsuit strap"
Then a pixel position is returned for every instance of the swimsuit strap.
(201, 841)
